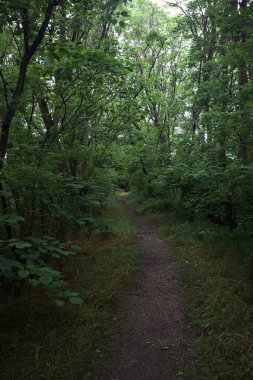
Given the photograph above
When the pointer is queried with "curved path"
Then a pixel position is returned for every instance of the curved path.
(152, 341)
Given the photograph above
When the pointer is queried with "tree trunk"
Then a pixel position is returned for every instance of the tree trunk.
(29, 51)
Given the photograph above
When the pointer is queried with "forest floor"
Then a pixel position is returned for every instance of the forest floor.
(149, 311)
(40, 341)
(152, 342)
(217, 292)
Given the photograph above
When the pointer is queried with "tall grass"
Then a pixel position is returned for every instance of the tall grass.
(219, 294)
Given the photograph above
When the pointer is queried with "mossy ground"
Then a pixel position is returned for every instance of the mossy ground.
(42, 341)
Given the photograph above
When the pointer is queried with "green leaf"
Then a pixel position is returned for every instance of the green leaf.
(67, 253)
(76, 300)
(122, 24)
(11, 219)
(23, 245)
(76, 247)
(59, 302)
(23, 273)
(45, 279)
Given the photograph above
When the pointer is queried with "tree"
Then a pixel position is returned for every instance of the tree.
(60, 113)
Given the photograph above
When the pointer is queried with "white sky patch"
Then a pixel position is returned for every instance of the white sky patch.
(172, 10)
(160, 2)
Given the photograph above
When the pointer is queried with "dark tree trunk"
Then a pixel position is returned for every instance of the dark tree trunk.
(29, 51)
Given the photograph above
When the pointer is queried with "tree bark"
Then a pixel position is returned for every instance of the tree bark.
(29, 51)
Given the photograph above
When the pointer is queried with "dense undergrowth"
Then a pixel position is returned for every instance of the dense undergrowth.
(218, 291)
(42, 341)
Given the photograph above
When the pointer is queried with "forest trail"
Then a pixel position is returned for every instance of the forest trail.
(152, 337)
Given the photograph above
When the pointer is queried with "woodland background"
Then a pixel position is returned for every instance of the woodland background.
(103, 95)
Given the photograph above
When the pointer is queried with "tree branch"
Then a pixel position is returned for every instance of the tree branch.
(26, 27)
(5, 88)
(25, 60)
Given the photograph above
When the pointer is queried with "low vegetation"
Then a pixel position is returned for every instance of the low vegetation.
(42, 341)
(97, 96)
(219, 296)
(218, 292)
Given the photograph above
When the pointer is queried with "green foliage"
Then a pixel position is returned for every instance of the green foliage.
(97, 96)
(56, 172)
(33, 328)
(218, 294)
(193, 149)
(29, 260)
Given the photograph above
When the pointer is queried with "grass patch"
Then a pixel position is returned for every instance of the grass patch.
(41, 341)
(219, 295)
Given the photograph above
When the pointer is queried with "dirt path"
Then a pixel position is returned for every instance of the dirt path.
(152, 339)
